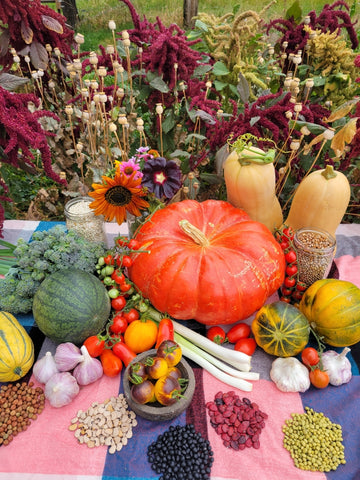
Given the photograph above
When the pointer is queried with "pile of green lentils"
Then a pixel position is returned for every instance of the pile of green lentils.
(314, 442)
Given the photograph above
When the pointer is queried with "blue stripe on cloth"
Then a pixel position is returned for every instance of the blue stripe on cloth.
(44, 226)
(132, 458)
(337, 404)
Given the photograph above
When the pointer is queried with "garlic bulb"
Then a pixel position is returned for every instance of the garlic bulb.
(290, 375)
(45, 368)
(61, 389)
(88, 370)
(337, 366)
(67, 356)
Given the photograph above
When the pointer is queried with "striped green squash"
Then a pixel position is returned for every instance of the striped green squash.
(281, 329)
(71, 305)
(16, 349)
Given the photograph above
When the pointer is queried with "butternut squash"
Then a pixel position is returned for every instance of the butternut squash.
(320, 201)
(249, 175)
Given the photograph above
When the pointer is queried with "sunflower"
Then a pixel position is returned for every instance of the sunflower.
(117, 196)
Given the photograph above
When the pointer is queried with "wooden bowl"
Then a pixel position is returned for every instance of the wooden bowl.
(155, 411)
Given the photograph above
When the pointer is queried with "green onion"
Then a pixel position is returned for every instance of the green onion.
(228, 366)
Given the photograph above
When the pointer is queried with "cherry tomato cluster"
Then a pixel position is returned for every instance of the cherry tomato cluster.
(292, 289)
(111, 270)
(239, 335)
(312, 359)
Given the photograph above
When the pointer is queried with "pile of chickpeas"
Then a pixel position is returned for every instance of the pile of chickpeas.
(20, 404)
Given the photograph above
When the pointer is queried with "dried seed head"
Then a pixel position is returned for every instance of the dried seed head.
(103, 97)
(329, 133)
(79, 38)
(93, 59)
(285, 45)
(295, 144)
(139, 121)
(57, 52)
(304, 130)
(52, 84)
(120, 92)
(69, 110)
(307, 20)
(298, 107)
(110, 50)
(48, 48)
(124, 34)
(126, 42)
(112, 127)
(112, 25)
(27, 59)
(289, 114)
(102, 71)
(208, 84)
(16, 59)
(159, 109)
(94, 84)
(309, 83)
(122, 119)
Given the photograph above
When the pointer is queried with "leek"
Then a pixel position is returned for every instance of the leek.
(228, 366)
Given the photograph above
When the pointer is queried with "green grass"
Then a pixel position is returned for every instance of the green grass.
(95, 14)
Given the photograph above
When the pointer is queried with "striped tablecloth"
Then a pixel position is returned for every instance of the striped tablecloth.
(49, 451)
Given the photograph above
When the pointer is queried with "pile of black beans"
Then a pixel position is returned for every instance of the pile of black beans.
(181, 453)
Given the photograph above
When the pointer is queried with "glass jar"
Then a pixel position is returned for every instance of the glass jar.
(315, 249)
(81, 218)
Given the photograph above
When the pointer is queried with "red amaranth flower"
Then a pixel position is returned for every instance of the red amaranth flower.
(22, 132)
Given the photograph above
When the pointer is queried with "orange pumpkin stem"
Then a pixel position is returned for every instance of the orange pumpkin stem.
(194, 233)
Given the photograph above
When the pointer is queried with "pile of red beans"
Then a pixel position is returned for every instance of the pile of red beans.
(239, 422)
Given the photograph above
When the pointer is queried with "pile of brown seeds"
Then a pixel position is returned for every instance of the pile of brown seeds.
(109, 423)
(20, 403)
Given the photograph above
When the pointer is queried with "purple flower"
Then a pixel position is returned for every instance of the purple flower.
(161, 177)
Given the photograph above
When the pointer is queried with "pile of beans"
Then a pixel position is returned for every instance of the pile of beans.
(109, 423)
(238, 422)
(181, 453)
(20, 404)
(314, 442)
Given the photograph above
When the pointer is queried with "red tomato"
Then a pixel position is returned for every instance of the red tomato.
(134, 244)
(109, 260)
(286, 291)
(245, 345)
(131, 315)
(112, 365)
(238, 331)
(122, 241)
(216, 335)
(291, 270)
(310, 356)
(301, 287)
(319, 378)
(126, 261)
(118, 276)
(94, 345)
(289, 282)
(119, 324)
(288, 232)
(290, 256)
(118, 303)
(125, 287)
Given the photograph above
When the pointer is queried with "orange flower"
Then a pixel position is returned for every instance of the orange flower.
(116, 196)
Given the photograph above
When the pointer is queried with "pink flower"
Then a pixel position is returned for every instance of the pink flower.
(129, 167)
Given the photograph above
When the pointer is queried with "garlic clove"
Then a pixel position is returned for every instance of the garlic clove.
(89, 370)
(67, 356)
(45, 368)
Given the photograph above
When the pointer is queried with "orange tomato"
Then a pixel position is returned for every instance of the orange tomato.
(141, 335)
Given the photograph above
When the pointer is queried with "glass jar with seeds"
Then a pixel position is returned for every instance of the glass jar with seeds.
(81, 218)
(315, 249)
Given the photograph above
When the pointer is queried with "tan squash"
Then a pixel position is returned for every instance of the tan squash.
(250, 184)
(320, 201)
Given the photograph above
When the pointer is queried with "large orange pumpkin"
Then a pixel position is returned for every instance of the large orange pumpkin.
(208, 261)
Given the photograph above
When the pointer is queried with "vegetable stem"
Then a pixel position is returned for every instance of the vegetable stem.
(216, 372)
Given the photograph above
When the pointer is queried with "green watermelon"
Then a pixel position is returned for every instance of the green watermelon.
(71, 305)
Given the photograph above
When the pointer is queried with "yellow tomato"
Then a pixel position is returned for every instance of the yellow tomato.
(141, 335)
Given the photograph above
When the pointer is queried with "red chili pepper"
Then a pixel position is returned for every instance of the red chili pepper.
(124, 352)
(165, 331)
(94, 345)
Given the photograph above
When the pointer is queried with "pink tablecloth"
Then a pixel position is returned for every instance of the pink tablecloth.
(49, 451)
